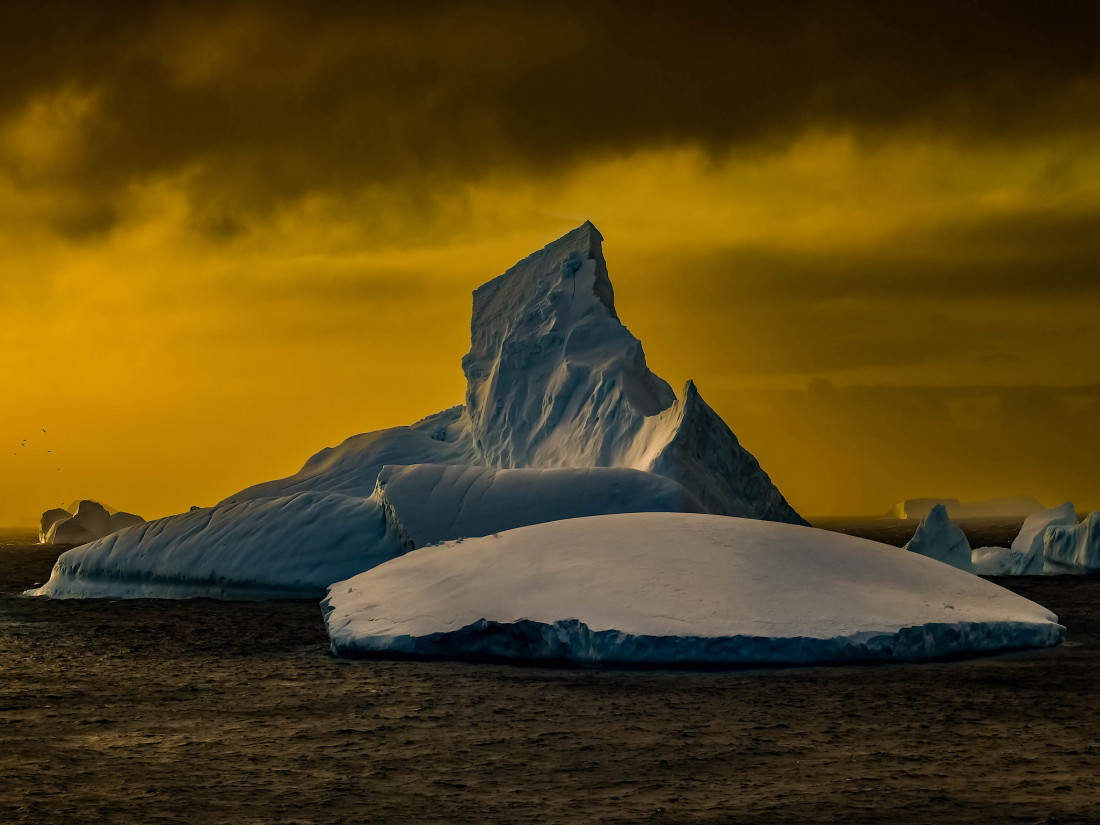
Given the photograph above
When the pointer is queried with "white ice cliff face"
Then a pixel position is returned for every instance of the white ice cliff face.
(554, 379)
(1030, 538)
(1027, 555)
(49, 519)
(562, 419)
(939, 539)
(1073, 548)
(676, 589)
(1004, 561)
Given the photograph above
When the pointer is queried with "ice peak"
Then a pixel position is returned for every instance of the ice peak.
(554, 379)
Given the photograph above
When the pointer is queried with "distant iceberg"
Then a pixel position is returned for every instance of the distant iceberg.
(676, 589)
(939, 539)
(994, 508)
(82, 522)
(562, 418)
(1073, 548)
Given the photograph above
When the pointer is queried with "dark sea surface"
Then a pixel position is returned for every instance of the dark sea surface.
(235, 712)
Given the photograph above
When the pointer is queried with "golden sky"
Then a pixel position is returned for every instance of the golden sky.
(234, 233)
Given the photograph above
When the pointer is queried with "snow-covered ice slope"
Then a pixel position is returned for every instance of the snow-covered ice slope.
(676, 589)
(352, 467)
(554, 379)
(290, 547)
(430, 503)
(1073, 548)
(939, 539)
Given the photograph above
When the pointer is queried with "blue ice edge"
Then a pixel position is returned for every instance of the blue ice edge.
(572, 643)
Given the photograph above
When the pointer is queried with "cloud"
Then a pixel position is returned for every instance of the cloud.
(265, 103)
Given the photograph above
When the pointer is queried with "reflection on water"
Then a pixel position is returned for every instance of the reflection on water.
(10, 536)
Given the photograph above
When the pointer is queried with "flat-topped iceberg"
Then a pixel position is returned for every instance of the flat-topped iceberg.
(993, 508)
(676, 589)
(562, 418)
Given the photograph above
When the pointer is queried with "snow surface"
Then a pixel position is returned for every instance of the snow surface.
(352, 467)
(554, 382)
(1073, 548)
(939, 539)
(679, 589)
(290, 547)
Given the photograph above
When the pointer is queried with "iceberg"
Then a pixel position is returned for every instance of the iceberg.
(49, 519)
(1026, 554)
(1073, 548)
(289, 547)
(554, 379)
(1004, 561)
(675, 589)
(939, 539)
(994, 508)
(562, 418)
(90, 521)
(1030, 538)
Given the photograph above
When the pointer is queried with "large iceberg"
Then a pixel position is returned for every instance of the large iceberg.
(676, 589)
(562, 419)
(1069, 548)
(939, 539)
(288, 547)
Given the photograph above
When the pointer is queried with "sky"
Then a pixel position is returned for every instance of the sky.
(234, 233)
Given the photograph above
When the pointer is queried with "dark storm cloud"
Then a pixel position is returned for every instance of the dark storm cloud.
(265, 102)
(971, 289)
(1028, 255)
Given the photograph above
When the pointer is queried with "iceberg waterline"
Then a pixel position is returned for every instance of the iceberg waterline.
(555, 383)
(679, 589)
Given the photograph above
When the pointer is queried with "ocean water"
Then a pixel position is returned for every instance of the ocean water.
(115, 712)
(15, 536)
